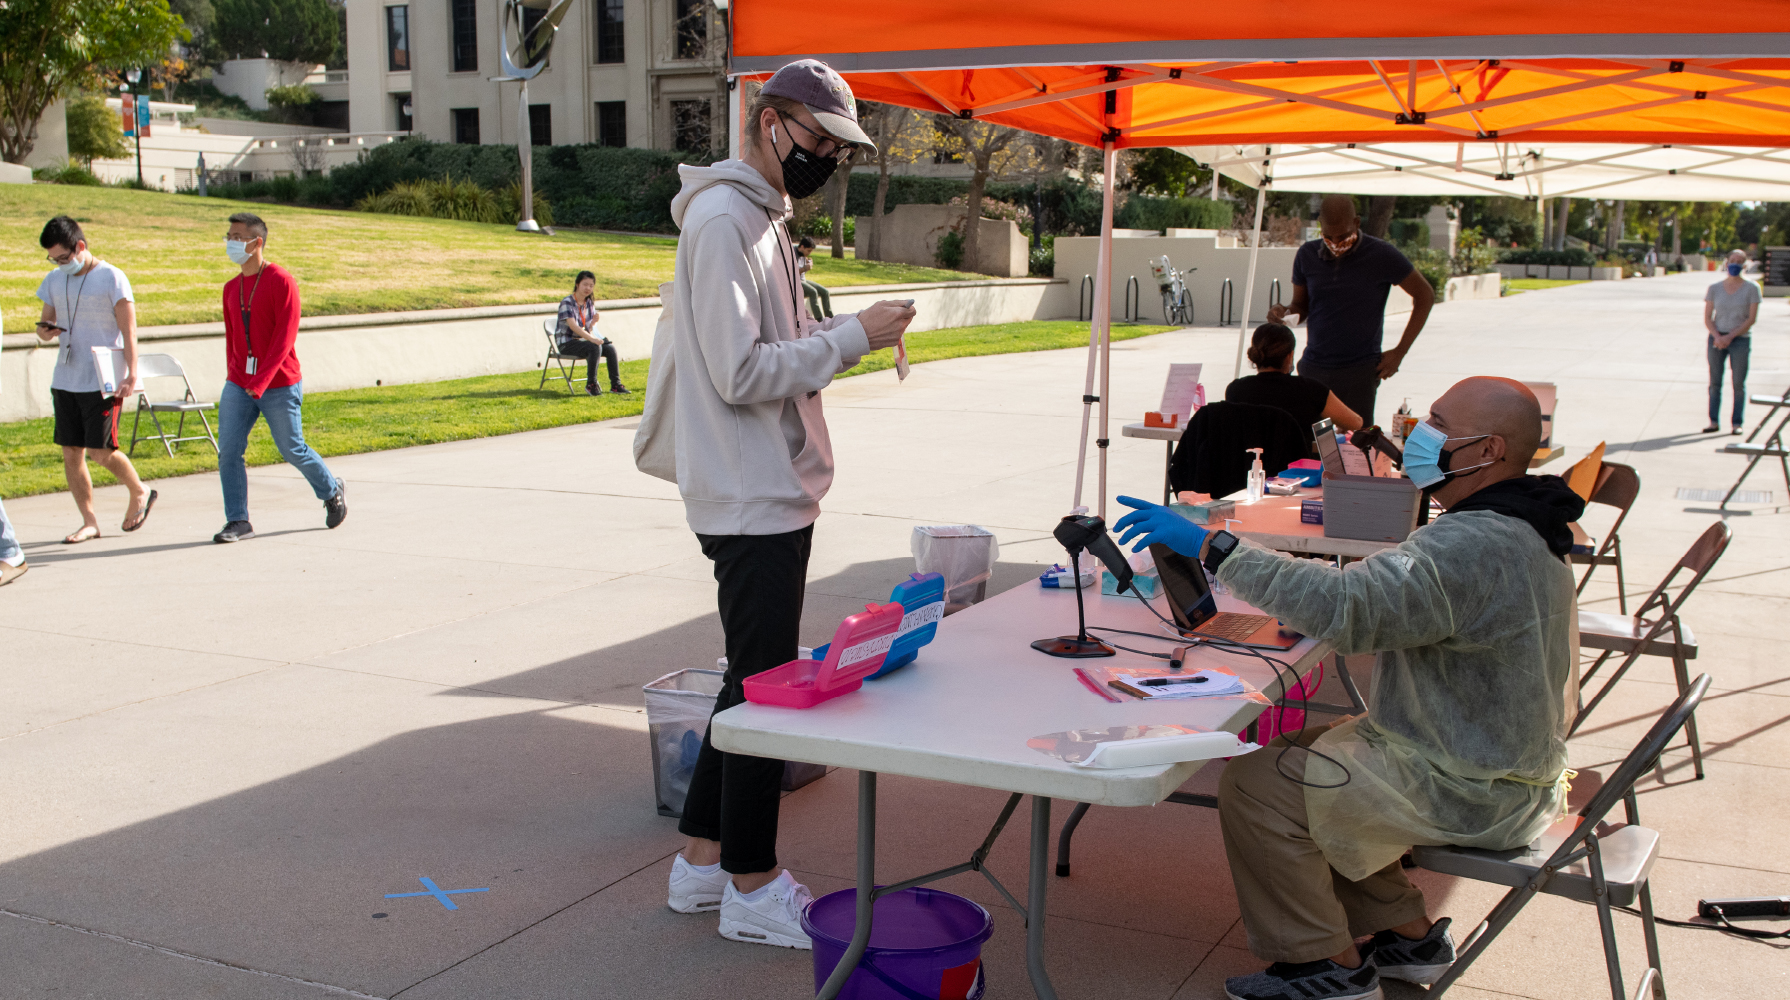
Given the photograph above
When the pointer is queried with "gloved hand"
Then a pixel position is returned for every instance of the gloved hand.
(1153, 524)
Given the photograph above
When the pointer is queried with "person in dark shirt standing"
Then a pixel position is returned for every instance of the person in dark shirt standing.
(1340, 284)
(261, 308)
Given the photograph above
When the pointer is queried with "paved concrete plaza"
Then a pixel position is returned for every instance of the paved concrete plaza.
(217, 761)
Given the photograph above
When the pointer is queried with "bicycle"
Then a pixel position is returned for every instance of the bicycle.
(1177, 304)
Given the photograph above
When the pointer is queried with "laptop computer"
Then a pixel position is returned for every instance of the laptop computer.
(1196, 611)
(1339, 459)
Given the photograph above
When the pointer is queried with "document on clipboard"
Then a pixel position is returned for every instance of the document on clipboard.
(108, 364)
(1180, 394)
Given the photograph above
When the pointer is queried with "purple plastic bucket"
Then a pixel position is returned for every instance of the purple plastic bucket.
(925, 944)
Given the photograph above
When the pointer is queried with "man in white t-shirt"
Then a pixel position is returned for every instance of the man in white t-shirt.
(88, 304)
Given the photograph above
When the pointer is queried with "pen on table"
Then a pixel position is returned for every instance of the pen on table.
(1088, 682)
(1157, 682)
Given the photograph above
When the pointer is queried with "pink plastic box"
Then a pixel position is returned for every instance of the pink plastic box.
(857, 651)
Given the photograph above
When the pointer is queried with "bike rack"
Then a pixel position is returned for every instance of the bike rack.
(1274, 292)
(1227, 304)
(1084, 299)
(1134, 299)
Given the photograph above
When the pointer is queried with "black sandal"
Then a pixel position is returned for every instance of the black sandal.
(143, 515)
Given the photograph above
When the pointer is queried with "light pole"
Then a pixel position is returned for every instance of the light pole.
(521, 64)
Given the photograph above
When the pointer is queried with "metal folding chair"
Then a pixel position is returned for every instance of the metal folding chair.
(165, 366)
(1581, 858)
(551, 327)
(1617, 486)
(1771, 447)
(1663, 635)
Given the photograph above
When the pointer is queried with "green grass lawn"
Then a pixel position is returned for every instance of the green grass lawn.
(172, 248)
(398, 416)
(1517, 286)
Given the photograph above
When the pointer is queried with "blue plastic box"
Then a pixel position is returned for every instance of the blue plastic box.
(922, 599)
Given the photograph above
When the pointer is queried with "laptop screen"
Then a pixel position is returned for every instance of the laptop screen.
(1184, 581)
(1324, 435)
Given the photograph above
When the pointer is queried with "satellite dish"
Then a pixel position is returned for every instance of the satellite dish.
(533, 24)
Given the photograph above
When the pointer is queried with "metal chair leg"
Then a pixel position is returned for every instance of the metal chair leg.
(1068, 831)
(1682, 670)
(1649, 932)
(1605, 924)
(210, 435)
(160, 433)
(1609, 685)
(1621, 585)
(136, 421)
(1481, 938)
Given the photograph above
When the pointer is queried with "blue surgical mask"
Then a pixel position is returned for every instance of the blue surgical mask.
(76, 261)
(1734, 269)
(237, 251)
(1425, 461)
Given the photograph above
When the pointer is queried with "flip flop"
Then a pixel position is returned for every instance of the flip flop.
(142, 516)
(81, 536)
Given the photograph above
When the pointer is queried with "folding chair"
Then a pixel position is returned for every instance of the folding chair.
(551, 328)
(1617, 486)
(1665, 635)
(1581, 858)
(1771, 447)
(165, 366)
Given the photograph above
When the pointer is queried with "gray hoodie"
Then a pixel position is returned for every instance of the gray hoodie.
(745, 367)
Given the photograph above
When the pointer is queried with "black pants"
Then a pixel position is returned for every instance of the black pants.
(590, 352)
(1355, 385)
(733, 797)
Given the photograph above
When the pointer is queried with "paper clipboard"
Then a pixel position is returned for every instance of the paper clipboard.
(108, 365)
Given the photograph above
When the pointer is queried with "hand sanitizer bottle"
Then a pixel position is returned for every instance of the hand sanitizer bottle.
(1258, 477)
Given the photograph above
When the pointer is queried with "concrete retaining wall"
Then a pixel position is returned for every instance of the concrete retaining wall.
(353, 352)
(911, 235)
(1560, 272)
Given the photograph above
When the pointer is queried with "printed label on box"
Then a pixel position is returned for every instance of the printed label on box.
(866, 650)
(922, 616)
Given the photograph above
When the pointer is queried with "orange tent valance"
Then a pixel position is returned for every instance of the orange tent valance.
(1306, 71)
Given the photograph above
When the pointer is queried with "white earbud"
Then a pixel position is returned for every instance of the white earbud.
(773, 135)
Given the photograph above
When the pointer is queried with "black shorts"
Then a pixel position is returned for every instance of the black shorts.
(86, 419)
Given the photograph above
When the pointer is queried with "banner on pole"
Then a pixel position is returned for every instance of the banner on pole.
(129, 115)
(143, 117)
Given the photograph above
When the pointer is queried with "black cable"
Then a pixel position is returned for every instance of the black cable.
(1724, 927)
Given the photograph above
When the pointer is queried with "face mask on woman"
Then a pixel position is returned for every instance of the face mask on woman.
(1734, 270)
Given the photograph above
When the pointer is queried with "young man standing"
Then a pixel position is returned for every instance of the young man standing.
(737, 376)
(88, 304)
(260, 333)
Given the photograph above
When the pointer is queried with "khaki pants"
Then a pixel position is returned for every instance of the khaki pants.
(1296, 908)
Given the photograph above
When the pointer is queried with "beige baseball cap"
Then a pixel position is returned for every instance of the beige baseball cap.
(825, 94)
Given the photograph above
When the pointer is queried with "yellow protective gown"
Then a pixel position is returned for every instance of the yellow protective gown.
(1464, 739)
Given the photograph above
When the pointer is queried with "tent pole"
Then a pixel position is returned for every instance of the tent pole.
(1103, 313)
(1255, 250)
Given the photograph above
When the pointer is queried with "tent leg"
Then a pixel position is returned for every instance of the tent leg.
(1087, 410)
(1103, 312)
(1255, 250)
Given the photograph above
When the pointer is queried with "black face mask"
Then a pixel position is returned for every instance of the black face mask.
(803, 172)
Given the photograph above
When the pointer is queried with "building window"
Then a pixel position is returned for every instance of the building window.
(397, 39)
(401, 105)
(610, 47)
(466, 126)
(692, 29)
(612, 123)
(690, 126)
(466, 35)
(540, 124)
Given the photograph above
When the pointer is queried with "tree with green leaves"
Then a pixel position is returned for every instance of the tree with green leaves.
(94, 131)
(298, 31)
(52, 48)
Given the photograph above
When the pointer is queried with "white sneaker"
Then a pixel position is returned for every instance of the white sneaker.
(773, 918)
(692, 891)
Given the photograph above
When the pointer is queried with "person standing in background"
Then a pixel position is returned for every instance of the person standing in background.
(577, 335)
(1340, 284)
(1730, 308)
(88, 304)
(261, 309)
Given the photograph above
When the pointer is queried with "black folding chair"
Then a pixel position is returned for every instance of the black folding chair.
(1665, 635)
(1772, 447)
(1581, 858)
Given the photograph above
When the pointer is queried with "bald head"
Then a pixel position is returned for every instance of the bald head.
(1501, 419)
(1336, 215)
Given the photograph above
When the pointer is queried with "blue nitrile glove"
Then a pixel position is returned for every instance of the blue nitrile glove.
(1153, 524)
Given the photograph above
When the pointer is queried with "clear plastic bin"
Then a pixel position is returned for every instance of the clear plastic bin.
(677, 713)
(964, 554)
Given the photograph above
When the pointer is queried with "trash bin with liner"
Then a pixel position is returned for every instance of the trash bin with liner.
(677, 712)
(964, 554)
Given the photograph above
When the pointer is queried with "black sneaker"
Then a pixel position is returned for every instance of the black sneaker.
(590, 387)
(336, 507)
(1320, 980)
(619, 389)
(1422, 961)
(235, 531)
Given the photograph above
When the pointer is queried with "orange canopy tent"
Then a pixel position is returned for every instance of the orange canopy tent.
(1121, 73)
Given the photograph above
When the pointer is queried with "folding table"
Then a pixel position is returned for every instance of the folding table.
(963, 713)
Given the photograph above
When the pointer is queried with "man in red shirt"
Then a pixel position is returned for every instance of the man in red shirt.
(260, 333)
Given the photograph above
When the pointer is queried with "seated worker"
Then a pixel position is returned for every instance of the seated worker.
(577, 335)
(1307, 399)
(1463, 742)
(820, 301)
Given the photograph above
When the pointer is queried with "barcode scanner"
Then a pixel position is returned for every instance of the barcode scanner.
(1079, 533)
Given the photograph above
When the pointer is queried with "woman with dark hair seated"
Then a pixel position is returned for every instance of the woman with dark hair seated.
(577, 334)
(1274, 384)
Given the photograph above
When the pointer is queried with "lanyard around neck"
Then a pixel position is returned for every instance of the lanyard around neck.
(244, 307)
(74, 311)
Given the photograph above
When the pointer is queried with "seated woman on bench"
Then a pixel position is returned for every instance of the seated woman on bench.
(1274, 384)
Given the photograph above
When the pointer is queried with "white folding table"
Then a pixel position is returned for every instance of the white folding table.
(963, 713)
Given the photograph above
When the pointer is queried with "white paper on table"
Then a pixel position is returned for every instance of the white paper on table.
(1188, 684)
(901, 365)
(1180, 392)
(1139, 746)
(108, 364)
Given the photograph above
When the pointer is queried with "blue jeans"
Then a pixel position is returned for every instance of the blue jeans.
(1734, 356)
(9, 542)
(237, 413)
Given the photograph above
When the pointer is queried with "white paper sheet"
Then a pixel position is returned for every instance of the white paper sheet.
(1180, 391)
